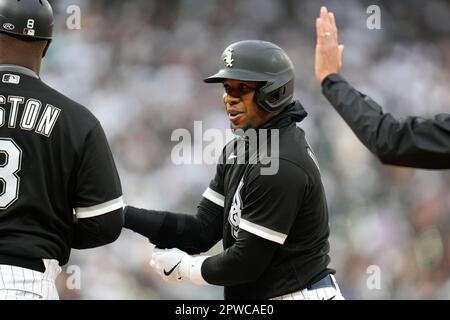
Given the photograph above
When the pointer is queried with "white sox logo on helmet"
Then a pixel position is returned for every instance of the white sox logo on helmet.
(229, 57)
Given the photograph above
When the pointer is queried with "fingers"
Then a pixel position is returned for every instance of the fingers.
(158, 251)
(328, 53)
(325, 18)
(333, 29)
(324, 14)
(155, 257)
(341, 54)
(326, 26)
(341, 50)
(319, 30)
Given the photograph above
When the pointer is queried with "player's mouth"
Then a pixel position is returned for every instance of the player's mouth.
(235, 116)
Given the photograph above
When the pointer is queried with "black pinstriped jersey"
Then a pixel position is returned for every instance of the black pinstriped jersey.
(288, 207)
(55, 162)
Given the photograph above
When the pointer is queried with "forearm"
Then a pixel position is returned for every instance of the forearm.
(413, 142)
(145, 222)
(244, 262)
(193, 234)
(97, 231)
(363, 117)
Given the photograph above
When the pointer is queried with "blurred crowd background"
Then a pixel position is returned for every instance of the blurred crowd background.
(138, 66)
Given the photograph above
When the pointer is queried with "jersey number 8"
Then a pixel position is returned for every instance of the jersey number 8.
(9, 168)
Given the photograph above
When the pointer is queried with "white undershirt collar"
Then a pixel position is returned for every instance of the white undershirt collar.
(18, 69)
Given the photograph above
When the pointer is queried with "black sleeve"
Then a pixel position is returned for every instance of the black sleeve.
(413, 142)
(97, 186)
(97, 231)
(192, 234)
(243, 262)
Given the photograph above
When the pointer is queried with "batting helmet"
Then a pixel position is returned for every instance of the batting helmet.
(255, 60)
(30, 19)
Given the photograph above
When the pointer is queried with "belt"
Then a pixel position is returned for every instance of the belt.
(28, 263)
(325, 282)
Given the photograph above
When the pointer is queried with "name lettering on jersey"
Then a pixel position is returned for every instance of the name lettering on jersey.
(236, 210)
(48, 120)
(30, 114)
(2, 111)
(14, 101)
(32, 117)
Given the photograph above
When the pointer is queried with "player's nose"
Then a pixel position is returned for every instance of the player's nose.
(230, 100)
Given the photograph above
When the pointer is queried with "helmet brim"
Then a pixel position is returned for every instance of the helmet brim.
(235, 74)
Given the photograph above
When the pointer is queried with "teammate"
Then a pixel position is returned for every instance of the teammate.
(414, 142)
(274, 225)
(60, 188)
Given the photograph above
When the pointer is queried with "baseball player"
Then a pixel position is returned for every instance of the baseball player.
(274, 227)
(60, 187)
(414, 142)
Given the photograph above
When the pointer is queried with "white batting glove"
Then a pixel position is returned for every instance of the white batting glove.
(167, 264)
(174, 265)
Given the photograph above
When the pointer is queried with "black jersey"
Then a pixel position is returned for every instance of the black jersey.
(55, 162)
(288, 207)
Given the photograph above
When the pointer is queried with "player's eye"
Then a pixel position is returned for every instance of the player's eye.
(243, 87)
(234, 92)
(238, 90)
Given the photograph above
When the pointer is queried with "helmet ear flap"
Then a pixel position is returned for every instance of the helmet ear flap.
(274, 100)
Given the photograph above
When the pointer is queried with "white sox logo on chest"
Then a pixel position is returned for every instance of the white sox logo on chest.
(234, 216)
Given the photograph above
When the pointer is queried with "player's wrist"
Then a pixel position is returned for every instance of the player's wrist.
(330, 79)
(325, 77)
(191, 269)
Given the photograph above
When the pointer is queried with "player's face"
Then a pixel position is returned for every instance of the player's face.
(242, 111)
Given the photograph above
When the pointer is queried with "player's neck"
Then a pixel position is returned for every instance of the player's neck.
(32, 65)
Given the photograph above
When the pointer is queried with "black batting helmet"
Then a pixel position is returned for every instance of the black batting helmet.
(255, 60)
(30, 19)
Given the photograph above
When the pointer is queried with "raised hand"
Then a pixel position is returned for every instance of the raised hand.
(328, 51)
